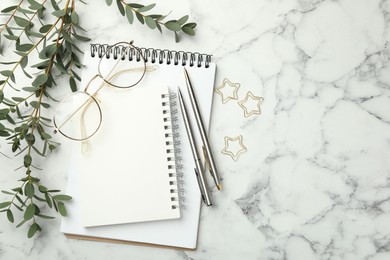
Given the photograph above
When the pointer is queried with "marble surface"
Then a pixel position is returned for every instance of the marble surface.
(314, 182)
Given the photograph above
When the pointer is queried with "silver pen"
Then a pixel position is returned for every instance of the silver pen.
(198, 167)
(206, 146)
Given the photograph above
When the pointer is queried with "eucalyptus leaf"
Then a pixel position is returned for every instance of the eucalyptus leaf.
(129, 14)
(9, 9)
(29, 190)
(173, 26)
(10, 216)
(120, 7)
(140, 17)
(34, 228)
(29, 213)
(146, 8)
(45, 28)
(25, 47)
(188, 30)
(5, 204)
(62, 209)
(183, 20)
(72, 84)
(62, 197)
(59, 13)
(75, 18)
(40, 80)
(150, 22)
(21, 21)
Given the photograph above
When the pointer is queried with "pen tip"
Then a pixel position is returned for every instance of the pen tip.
(219, 187)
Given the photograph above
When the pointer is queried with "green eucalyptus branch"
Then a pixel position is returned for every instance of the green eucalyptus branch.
(154, 21)
(21, 120)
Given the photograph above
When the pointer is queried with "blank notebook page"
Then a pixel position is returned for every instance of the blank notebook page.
(124, 171)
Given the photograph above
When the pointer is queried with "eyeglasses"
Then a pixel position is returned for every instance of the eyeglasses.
(79, 116)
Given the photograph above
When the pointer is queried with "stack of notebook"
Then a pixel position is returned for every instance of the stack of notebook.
(135, 183)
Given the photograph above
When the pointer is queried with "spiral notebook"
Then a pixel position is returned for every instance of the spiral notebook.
(177, 224)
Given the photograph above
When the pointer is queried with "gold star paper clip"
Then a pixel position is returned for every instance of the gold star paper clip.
(227, 90)
(251, 104)
(234, 147)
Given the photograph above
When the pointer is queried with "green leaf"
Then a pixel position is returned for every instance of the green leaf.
(10, 216)
(40, 80)
(9, 9)
(23, 62)
(61, 209)
(21, 21)
(159, 27)
(191, 25)
(120, 7)
(25, 11)
(29, 213)
(67, 37)
(74, 16)
(21, 223)
(59, 13)
(140, 18)
(183, 20)
(1, 95)
(24, 47)
(7, 192)
(173, 26)
(41, 65)
(6, 73)
(29, 190)
(150, 22)
(5, 204)
(134, 5)
(33, 229)
(188, 30)
(48, 200)
(146, 8)
(8, 63)
(129, 14)
(34, 104)
(81, 38)
(4, 133)
(45, 217)
(11, 37)
(62, 197)
(54, 4)
(72, 84)
(45, 105)
(45, 28)
(48, 51)
(31, 89)
(34, 5)
(108, 2)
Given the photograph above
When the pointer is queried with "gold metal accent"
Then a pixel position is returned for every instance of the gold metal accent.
(224, 87)
(237, 153)
(243, 104)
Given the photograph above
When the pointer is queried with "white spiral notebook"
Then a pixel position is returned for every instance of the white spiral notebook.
(167, 212)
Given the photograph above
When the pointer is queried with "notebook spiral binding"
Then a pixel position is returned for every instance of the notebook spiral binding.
(172, 142)
(153, 55)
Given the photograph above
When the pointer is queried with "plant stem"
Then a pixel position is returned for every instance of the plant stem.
(12, 16)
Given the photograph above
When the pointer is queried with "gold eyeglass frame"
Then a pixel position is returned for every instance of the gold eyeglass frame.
(91, 97)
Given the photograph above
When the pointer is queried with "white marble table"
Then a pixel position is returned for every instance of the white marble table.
(314, 182)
